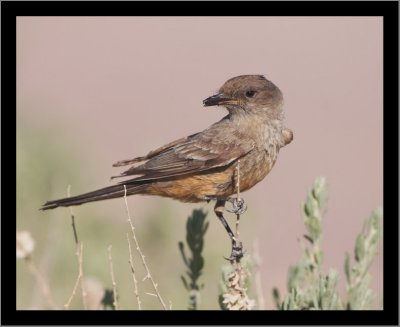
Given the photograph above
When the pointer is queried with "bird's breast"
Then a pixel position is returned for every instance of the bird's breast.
(253, 168)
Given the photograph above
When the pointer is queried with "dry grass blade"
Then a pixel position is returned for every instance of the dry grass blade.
(148, 273)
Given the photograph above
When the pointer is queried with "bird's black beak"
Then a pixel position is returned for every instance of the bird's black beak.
(219, 100)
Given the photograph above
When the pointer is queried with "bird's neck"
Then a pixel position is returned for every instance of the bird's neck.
(274, 134)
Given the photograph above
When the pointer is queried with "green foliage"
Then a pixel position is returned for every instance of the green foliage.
(196, 228)
(357, 276)
(313, 210)
(276, 296)
(309, 288)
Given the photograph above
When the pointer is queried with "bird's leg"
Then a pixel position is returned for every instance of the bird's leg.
(237, 247)
(238, 206)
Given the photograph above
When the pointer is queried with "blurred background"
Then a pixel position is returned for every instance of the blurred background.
(92, 91)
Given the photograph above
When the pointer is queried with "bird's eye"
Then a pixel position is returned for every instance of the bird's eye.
(250, 93)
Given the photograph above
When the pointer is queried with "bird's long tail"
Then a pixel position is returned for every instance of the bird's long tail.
(110, 192)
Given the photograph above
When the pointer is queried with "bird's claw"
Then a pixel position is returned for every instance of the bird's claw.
(237, 252)
(238, 206)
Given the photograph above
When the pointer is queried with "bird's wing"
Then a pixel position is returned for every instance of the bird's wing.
(153, 153)
(204, 151)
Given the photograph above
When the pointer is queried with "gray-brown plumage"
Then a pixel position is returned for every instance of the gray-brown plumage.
(201, 167)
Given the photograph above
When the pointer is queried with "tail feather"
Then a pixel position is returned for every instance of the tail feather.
(110, 192)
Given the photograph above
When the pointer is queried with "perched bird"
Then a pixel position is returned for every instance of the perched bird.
(237, 151)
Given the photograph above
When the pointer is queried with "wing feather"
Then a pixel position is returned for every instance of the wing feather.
(204, 151)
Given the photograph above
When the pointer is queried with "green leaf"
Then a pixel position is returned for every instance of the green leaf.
(195, 231)
(347, 267)
(277, 298)
(360, 248)
(185, 284)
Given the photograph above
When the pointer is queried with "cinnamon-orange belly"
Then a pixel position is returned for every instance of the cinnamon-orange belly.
(220, 183)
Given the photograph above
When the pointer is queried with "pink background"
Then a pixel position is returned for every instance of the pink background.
(119, 87)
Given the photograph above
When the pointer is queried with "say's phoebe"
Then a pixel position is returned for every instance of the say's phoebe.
(203, 166)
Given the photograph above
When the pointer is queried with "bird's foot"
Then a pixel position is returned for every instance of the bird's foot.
(237, 251)
(238, 206)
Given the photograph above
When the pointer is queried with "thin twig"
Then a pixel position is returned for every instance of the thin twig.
(236, 297)
(114, 284)
(148, 274)
(79, 254)
(133, 274)
(82, 284)
(257, 275)
(72, 216)
(238, 180)
(237, 196)
(43, 286)
(238, 265)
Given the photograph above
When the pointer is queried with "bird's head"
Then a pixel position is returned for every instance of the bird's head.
(249, 94)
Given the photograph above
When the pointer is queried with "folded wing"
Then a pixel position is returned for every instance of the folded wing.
(199, 152)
